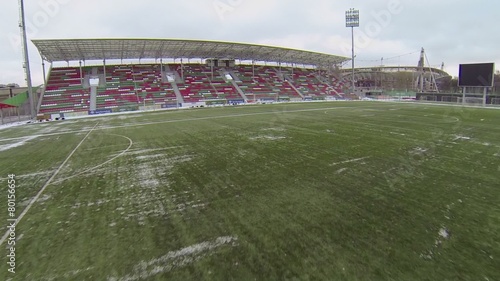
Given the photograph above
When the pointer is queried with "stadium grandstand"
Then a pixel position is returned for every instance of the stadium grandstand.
(113, 75)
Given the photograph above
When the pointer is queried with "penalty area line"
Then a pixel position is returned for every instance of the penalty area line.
(23, 213)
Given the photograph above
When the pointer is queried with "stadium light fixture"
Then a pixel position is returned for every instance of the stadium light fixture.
(26, 62)
(352, 21)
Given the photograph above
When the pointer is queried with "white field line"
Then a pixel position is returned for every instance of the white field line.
(350, 161)
(185, 120)
(4, 237)
(102, 164)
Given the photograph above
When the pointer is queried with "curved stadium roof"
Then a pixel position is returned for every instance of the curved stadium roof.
(98, 49)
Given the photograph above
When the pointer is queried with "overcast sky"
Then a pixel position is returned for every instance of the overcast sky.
(451, 31)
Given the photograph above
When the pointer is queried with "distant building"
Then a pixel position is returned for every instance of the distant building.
(10, 90)
(10, 85)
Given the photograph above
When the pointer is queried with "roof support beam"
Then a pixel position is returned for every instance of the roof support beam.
(97, 49)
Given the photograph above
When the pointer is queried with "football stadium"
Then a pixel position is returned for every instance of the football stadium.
(186, 159)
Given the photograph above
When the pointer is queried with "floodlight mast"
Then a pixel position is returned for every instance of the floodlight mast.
(352, 21)
(26, 63)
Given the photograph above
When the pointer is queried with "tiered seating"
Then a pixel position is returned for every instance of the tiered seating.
(119, 90)
(133, 85)
(224, 89)
(150, 86)
(334, 84)
(64, 92)
(306, 82)
(198, 84)
(125, 86)
(339, 84)
(255, 87)
(277, 81)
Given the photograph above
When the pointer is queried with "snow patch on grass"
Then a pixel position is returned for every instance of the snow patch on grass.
(49, 128)
(145, 151)
(149, 183)
(443, 232)
(17, 144)
(276, 129)
(341, 170)
(418, 150)
(350, 161)
(90, 204)
(31, 175)
(148, 193)
(41, 199)
(145, 192)
(176, 259)
(146, 176)
(149, 156)
(177, 159)
(399, 134)
(461, 137)
(272, 138)
(194, 204)
(10, 125)
(68, 275)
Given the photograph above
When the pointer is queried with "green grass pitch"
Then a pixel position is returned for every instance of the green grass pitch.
(306, 191)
